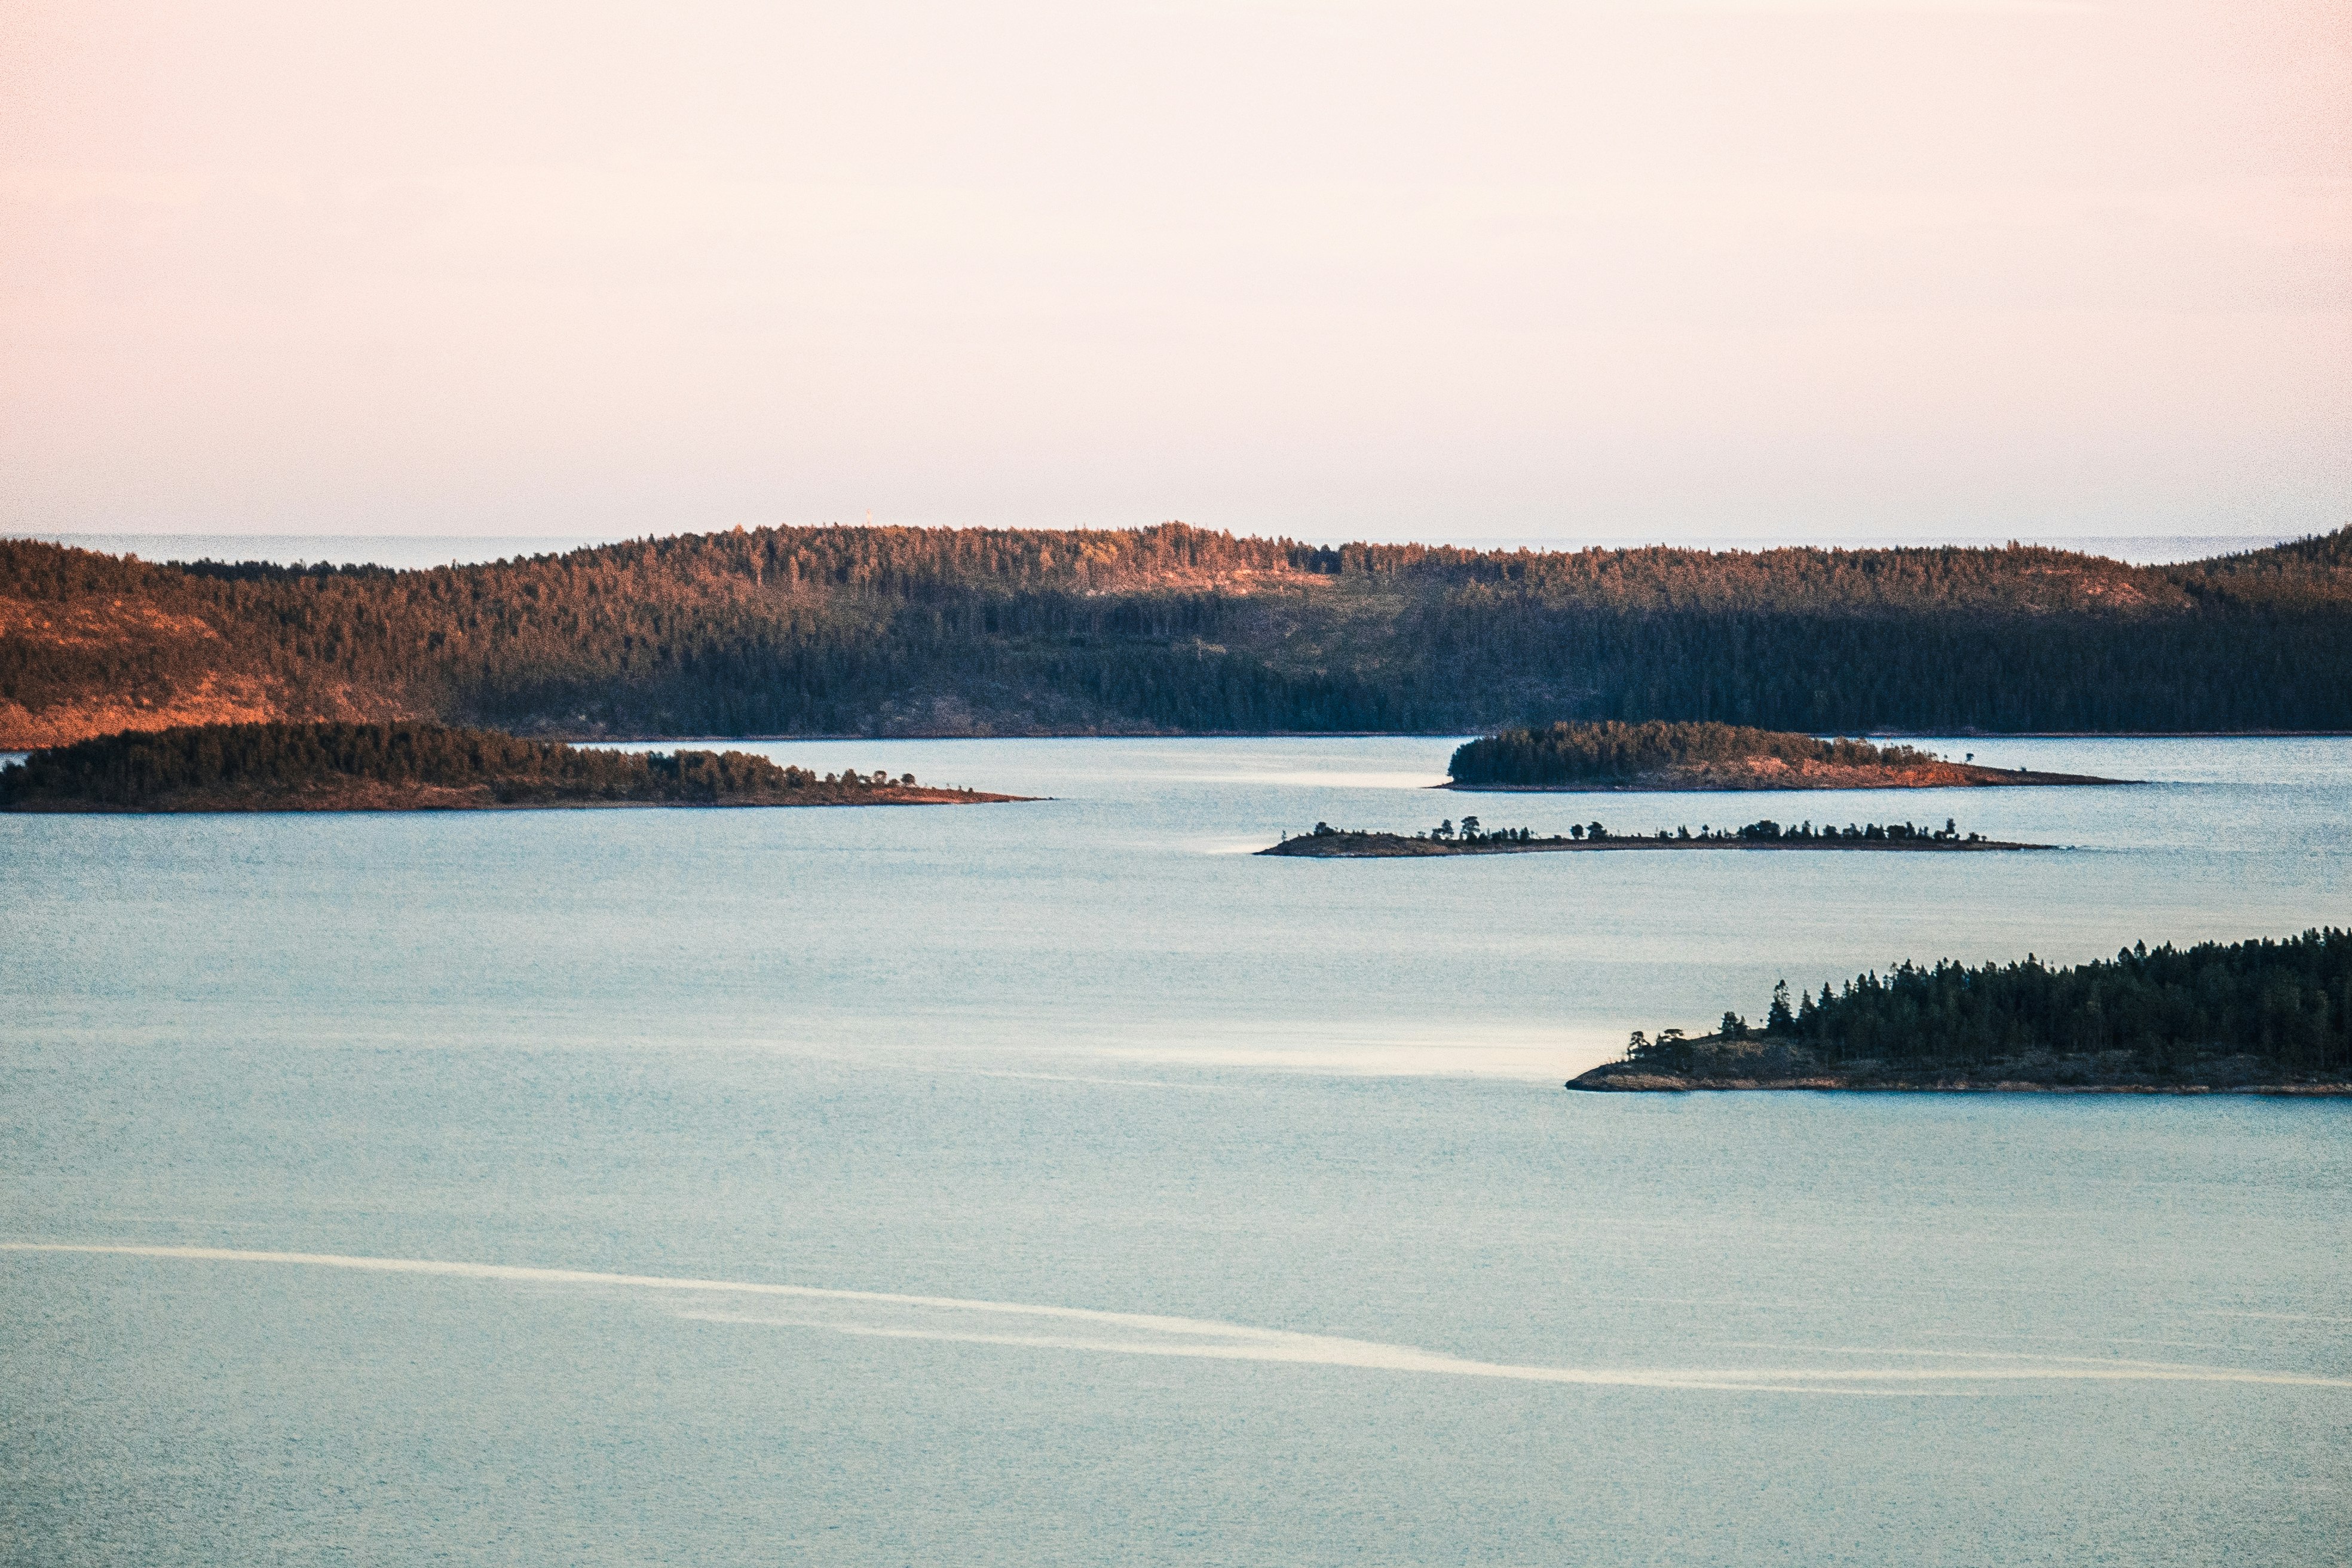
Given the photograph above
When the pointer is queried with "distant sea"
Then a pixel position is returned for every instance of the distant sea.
(1060, 1184)
(401, 550)
(421, 550)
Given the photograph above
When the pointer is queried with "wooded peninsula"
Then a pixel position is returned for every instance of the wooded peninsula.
(416, 767)
(1658, 755)
(2260, 1015)
(1170, 630)
(1330, 843)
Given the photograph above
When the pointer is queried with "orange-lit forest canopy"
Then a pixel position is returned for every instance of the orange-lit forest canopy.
(845, 630)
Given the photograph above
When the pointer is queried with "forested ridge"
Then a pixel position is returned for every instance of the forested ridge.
(2152, 1015)
(255, 762)
(1174, 629)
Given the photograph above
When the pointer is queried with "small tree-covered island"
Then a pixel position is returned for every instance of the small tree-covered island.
(1673, 757)
(416, 767)
(2262, 1017)
(1326, 842)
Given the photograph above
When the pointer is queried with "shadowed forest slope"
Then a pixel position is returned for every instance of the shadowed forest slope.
(1173, 629)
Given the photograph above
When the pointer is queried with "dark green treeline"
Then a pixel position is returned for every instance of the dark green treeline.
(1613, 751)
(133, 770)
(2167, 1009)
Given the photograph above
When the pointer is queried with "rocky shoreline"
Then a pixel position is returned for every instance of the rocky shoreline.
(2045, 1075)
(1664, 1083)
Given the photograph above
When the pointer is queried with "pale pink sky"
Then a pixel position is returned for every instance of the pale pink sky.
(1336, 269)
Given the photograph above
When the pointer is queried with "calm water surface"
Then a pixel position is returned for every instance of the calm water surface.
(1065, 1184)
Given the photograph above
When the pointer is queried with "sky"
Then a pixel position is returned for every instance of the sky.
(1549, 272)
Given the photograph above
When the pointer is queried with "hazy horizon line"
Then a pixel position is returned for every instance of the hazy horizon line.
(426, 549)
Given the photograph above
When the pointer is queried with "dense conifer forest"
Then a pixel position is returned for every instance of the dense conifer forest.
(255, 763)
(1174, 629)
(1610, 751)
(2216, 1013)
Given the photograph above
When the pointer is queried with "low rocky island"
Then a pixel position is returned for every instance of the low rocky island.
(418, 767)
(1706, 756)
(1329, 843)
(2253, 1017)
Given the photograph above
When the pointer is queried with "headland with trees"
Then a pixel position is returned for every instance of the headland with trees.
(2260, 1015)
(1660, 755)
(406, 766)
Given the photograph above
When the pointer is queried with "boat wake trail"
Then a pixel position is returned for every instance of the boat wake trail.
(877, 1314)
